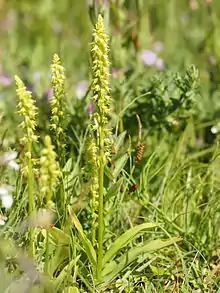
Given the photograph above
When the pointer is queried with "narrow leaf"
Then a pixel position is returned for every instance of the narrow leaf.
(112, 269)
(119, 165)
(85, 241)
(124, 239)
(57, 236)
(113, 190)
(120, 140)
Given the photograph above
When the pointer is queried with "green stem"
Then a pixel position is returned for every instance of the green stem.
(46, 264)
(30, 199)
(100, 215)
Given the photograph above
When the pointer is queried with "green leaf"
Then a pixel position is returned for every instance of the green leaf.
(57, 236)
(60, 242)
(119, 141)
(71, 290)
(58, 259)
(66, 271)
(124, 239)
(108, 172)
(114, 189)
(112, 269)
(85, 241)
(119, 165)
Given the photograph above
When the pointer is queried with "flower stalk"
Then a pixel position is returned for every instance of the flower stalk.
(101, 99)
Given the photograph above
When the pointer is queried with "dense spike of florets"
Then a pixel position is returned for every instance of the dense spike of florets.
(58, 103)
(49, 170)
(100, 71)
(26, 109)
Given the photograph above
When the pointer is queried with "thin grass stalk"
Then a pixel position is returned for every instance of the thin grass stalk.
(30, 199)
(46, 264)
(100, 210)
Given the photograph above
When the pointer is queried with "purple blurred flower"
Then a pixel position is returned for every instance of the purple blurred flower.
(49, 93)
(5, 80)
(36, 76)
(160, 64)
(148, 57)
(81, 89)
(90, 110)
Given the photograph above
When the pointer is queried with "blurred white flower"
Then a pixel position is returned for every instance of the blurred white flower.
(215, 129)
(13, 165)
(6, 196)
(36, 76)
(2, 222)
(7, 200)
(160, 64)
(158, 46)
(81, 89)
(8, 159)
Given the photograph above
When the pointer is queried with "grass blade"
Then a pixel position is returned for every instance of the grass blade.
(85, 241)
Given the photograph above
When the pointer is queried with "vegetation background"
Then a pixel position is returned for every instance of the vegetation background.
(165, 68)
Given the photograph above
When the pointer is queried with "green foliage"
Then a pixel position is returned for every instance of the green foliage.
(110, 223)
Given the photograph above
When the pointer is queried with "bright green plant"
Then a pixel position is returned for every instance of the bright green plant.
(27, 109)
(104, 267)
(49, 172)
(58, 106)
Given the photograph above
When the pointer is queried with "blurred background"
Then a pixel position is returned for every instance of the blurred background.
(147, 38)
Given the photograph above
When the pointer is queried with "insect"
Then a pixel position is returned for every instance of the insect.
(133, 187)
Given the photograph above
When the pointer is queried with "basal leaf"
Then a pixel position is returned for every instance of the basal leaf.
(111, 270)
(58, 237)
(119, 165)
(120, 140)
(66, 271)
(114, 189)
(124, 239)
(85, 241)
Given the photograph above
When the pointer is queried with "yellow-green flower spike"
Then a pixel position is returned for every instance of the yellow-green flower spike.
(49, 170)
(26, 109)
(58, 103)
(100, 71)
(92, 165)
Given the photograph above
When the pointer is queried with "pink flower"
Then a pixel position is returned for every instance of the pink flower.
(148, 57)
(49, 93)
(90, 110)
(5, 80)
